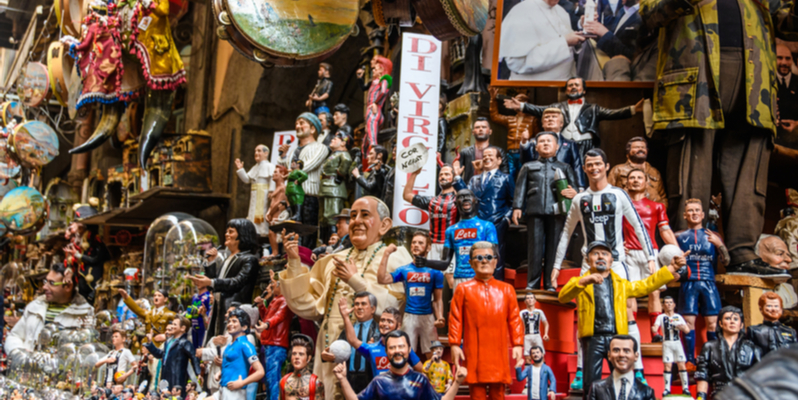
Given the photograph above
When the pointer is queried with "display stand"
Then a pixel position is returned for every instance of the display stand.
(752, 287)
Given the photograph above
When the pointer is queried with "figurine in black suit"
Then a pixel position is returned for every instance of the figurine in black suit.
(495, 192)
(177, 354)
(374, 183)
(481, 131)
(536, 186)
(582, 119)
(621, 385)
(787, 84)
(233, 279)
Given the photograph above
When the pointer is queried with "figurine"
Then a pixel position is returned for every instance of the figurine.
(118, 360)
(365, 330)
(274, 331)
(157, 318)
(469, 159)
(538, 372)
(495, 193)
(771, 334)
(198, 313)
(716, 367)
(278, 206)
(260, 179)
(621, 384)
(636, 152)
(294, 188)
(602, 297)
(400, 383)
(654, 216)
(332, 189)
(311, 292)
(377, 92)
(301, 383)
(318, 99)
(313, 154)
(177, 356)
(672, 349)
(567, 150)
(698, 292)
(233, 279)
(600, 211)
(373, 184)
(547, 186)
(340, 114)
(327, 249)
(442, 134)
(163, 70)
(438, 370)
(240, 365)
(582, 119)
(423, 312)
(484, 310)
(374, 348)
(532, 318)
(724, 131)
(343, 230)
(98, 58)
(86, 253)
(459, 238)
(516, 124)
(787, 230)
(773, 251)
(325, 120)
(441, 208)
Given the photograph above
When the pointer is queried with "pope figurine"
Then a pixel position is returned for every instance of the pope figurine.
(260, 179)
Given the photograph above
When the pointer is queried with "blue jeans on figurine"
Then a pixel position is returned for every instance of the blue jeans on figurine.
(274, 357)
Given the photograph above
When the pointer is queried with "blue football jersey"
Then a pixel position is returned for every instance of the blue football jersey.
(460, 238)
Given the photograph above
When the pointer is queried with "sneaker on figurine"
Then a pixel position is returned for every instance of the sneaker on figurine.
(756, 267)
(687, 392)
(640, 376)
(577, 383)
(666, 393)
(658, 339)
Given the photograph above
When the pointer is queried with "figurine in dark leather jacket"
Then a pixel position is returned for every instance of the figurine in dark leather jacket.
(495, 192)
(566, 150)
(177, 354)
(772, 334)
(714, 368)
(768, 379)
(622, 354)
(234, 278)
(536, 186)
(373, 184)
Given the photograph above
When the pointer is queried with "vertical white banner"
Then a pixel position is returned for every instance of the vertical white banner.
(279, 139)
(417, 121)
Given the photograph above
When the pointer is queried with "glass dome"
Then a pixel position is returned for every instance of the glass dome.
(184, 249)
(154, 245)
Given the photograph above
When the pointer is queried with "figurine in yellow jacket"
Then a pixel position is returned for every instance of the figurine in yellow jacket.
(602, 312)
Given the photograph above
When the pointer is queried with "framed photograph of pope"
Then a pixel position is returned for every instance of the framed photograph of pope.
(544, 42)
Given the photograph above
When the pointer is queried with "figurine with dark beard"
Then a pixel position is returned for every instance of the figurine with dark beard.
(441, 208)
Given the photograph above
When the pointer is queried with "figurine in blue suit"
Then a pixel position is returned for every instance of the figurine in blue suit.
(567, 153)
(538, 371)
(495, 192)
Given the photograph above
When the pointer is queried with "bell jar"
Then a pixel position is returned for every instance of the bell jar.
(154, 247)
(184, 252)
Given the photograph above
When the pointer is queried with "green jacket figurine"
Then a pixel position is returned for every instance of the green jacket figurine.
(332, 188)
(294, 191)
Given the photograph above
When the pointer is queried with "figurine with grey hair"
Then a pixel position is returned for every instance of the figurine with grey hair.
(773, 251)
(260, 179)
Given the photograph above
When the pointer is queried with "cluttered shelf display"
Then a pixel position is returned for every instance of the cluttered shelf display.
(511, 247)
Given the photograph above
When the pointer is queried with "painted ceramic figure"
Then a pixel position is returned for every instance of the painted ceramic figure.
(636, 151)
(377, 93)
(516, 124)
(294, 188)
(621, 384)
(318, 99)
(260, 179)
(771, 335)
(240, 364)
(301, 383)
(333, 191)
(441, 208)
(672, 325)
(86, 252)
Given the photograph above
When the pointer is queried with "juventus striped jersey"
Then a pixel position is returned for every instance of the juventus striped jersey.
(600, 214)
(442, 210)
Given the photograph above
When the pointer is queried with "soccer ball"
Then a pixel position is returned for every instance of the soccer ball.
(341, 351)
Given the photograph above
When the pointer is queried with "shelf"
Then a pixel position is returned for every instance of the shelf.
(156, 202)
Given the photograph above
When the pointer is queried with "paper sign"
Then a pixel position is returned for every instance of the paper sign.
(412, 159)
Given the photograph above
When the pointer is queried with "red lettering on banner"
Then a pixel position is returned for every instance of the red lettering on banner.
(416, 90)
(469, 233)
(411, 124)
(415, 46)
(407, 140)
(420, 62)
(423, 216)
(419, 277)
(418, 108)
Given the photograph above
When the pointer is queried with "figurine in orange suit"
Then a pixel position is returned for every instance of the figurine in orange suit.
(485, 310)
